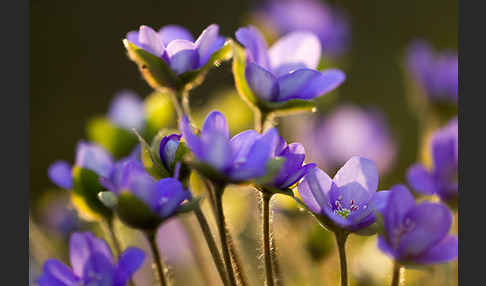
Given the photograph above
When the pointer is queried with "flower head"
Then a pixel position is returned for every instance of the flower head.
(416, 233)
(92, 264)
(168, 149)
(436, 73)
(89, 156)
(176, 46)
(293, 168)
(240, 158)
(442, 178)
(287, 70)
(349, 131)
(349, 199)
(328, 23)
(127, 110)
(162, 197)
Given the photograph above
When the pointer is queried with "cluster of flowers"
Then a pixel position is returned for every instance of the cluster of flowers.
(151, 185)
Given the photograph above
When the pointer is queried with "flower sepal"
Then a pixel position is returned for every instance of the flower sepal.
(151, 160)
(154, 70)
(190, 206)
(135, 213)
(86, 187)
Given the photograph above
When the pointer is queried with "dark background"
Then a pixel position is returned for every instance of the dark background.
(77, 62)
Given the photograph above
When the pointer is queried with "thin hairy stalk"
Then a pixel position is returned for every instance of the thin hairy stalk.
(176, 102)
(235, 256)
(397, 269)
(218, 261)
(186, 107)
(157, 259)
(262, 120)
(110, 232)
(223, 236)
(266, 238)
(341, 242)
(277, 274)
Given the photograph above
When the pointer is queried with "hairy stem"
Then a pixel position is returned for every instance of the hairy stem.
(341, 242)
(262, 119)
(211, 244)
(397, 269)
(157, 259)
(222, 235)
(266, 238)
(110, 231)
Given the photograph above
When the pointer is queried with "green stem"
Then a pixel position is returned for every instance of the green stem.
(266, 238)
(341, 242)
(176, 101)
(211, 244)
(396, 274)
(110, 231)
(262, 119)
(275, 265)
(235, 256)
(222, 234)
(157, 259)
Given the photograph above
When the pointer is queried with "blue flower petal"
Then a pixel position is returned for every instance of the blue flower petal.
(314, 189)
(445, 251)
(93, 157)
(421, 180)
(296, 48)
(255, 45)
(127, 110)
(129, 262)
(183, 56)
(170, 194)
(192, 141)
(60, 174)
(261, 82)
(400, 201)
(81, 246)
(98, 270)
(208, 42)
(150, 41)
(55, 273)
(170, 33)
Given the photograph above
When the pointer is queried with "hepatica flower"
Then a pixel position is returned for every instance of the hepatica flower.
(162, 197)
(92, 264)
(328, 23)
(293, 168)
(416, 233)
(286, 70)
(240, 158)
(176, 46)
(346, 132)
(127, 110)
(347, 201)
(441, 179)
(88, 156)
(168, 150)
(437, 73)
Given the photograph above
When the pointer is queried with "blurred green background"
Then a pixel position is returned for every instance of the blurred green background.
(78, 63)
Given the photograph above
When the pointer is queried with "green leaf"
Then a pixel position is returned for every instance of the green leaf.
(118, 141)
(192, 79)
(151, 161)
(108, 198)
(86, 187)
(239, 65)
(136, 213)
(155, 70)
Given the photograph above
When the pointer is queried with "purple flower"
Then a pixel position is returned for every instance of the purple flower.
(287, 70)
(168, 149)
(416, 233)
(163, 197)
(92, 264)
(240, 158)
(88, 156)
(292, 169)
(348, 131)
(326, 22)
(349, 199)
(127, 110)
(176, 46)
(442, 178)
(436, 73)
